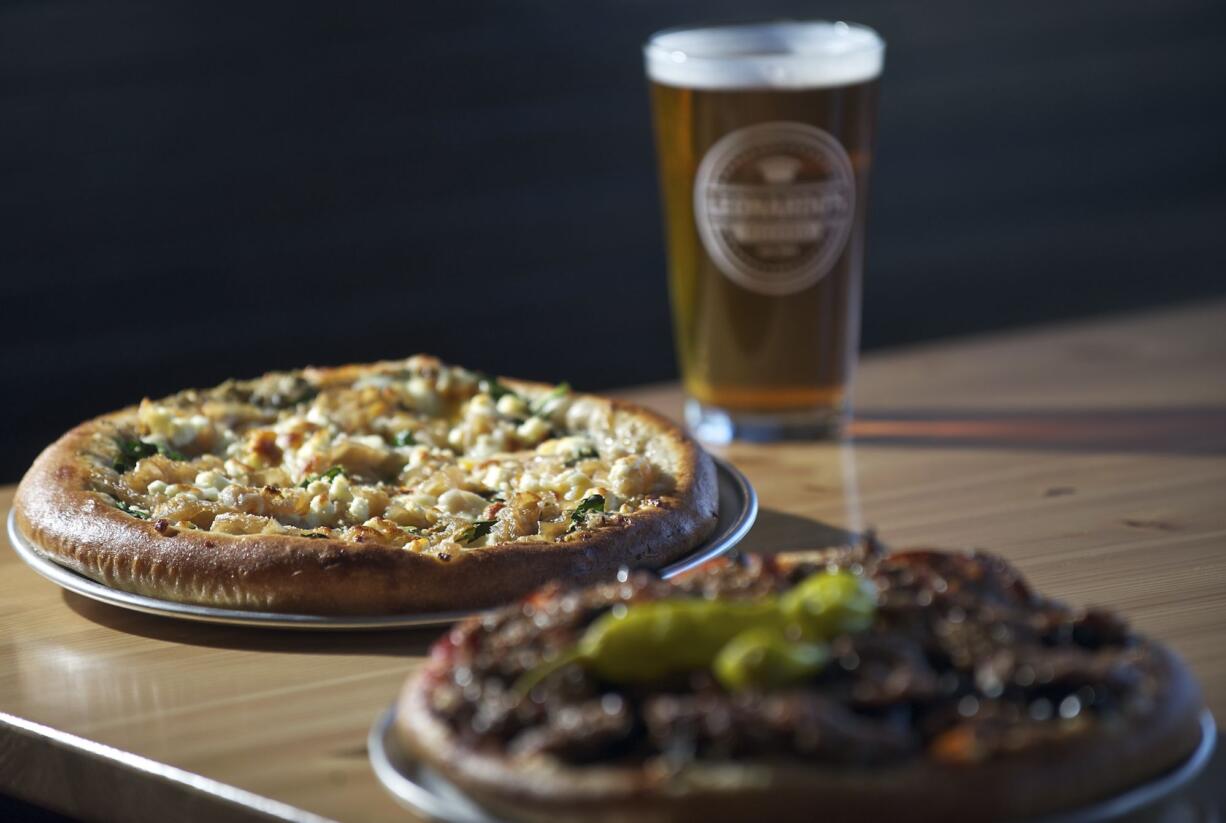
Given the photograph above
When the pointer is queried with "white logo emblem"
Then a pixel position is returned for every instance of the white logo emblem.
(774, 204)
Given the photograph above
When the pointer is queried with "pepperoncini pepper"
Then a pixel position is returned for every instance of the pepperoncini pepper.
(652, 640)
(762, 658)
(828, 604)
(762, 643)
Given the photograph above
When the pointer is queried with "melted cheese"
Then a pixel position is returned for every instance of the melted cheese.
(413, 454)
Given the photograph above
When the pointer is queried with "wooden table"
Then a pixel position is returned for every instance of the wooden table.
(1091, 454)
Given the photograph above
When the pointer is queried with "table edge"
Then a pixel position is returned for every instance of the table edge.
(29, 749)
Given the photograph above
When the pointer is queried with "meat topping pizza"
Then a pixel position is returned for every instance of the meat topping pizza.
(849, 673)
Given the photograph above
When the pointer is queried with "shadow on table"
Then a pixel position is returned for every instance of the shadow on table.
(1197, 430)
(777, 531)
(12, 808)
(395, 642)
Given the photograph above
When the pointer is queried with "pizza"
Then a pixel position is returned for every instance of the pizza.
(840, 686)
(394, 487)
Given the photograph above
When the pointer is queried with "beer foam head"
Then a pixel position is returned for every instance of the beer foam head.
(798, 55)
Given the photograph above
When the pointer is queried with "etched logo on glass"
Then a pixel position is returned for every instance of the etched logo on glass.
(774, 204)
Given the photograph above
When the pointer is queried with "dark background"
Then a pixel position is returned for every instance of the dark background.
(190, 191)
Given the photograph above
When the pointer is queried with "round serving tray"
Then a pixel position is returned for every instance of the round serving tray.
(738, 508)
(422, 790)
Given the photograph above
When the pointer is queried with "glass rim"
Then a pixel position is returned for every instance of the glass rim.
(777, 53)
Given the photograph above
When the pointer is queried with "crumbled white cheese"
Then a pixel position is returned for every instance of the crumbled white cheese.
(340, 490)
(423, 394)
(371, 441)
(512, 405)
(571, 485)
(498, 474)
(458, 501)
(569, 447)
(316, 415)
(589, 415)
(482, 405)
(533, 430)
(255, 463)
(630, 476)
(359, 509)
(375, 380)
(211, 483)
(165, 427)
(183, 490)
(322, 510)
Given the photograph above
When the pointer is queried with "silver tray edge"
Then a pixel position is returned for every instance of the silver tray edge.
(72, 581)
(421, 799)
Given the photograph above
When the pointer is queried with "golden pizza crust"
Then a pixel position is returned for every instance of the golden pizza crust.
(81, 528)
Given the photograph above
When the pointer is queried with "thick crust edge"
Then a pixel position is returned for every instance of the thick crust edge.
(78, 528)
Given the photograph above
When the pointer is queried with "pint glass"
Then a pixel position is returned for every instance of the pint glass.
(764, 135)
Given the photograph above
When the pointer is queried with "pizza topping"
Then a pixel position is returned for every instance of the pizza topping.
(579, 516)
(871, 659)
(474, 532)
(127, 508)
(462, 503)
(770, 641)
(409, 454)
(328, 476)
(132, 451)
(166, 429)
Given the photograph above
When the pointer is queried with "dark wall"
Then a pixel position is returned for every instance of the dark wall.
(190, 191)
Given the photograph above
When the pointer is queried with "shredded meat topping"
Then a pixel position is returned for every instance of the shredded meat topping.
(963, 661)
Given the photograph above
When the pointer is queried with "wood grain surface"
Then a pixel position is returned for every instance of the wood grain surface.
(1092, 455)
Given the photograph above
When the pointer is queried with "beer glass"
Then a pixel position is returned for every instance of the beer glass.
(764, 135)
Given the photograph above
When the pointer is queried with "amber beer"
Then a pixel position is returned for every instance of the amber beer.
(764, 136)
